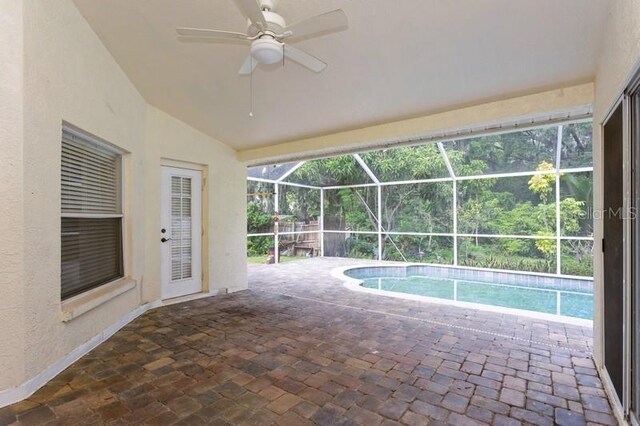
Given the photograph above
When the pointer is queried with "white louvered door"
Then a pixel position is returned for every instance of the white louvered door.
(180, 233)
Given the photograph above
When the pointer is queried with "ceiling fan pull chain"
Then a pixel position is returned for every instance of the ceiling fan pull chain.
(251, 90)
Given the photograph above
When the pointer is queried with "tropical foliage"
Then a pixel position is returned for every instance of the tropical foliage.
(259, 217)
(524, 205)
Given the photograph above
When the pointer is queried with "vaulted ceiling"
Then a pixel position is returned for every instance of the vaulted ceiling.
(398, 59)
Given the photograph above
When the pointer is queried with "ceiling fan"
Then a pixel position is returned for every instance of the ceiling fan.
(267, 32)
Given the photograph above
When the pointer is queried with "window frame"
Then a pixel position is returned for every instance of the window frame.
(93, 142)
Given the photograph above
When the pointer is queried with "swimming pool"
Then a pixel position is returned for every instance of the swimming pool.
(561, 297)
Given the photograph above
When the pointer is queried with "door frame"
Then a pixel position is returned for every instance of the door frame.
(632, 127)
(204, 223)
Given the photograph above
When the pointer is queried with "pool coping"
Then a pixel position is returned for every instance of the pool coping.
(355, 284)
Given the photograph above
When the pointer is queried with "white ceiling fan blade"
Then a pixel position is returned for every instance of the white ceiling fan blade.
(319, 25)
(213, 34)
(251, 10)
(304, 59)
(248, 66)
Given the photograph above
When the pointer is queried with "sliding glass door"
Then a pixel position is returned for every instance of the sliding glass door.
(621, 252)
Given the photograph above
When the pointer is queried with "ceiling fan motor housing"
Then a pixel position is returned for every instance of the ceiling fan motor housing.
(268, 4)
(275, 24)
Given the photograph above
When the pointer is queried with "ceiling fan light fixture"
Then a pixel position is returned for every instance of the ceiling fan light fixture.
(267, 51)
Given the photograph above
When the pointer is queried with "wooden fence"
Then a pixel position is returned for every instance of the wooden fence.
(306, 243)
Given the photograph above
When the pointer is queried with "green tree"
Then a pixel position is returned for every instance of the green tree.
(542, 184)
(402, 205)
(258, 221)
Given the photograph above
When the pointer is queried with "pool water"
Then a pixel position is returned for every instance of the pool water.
(558, 302)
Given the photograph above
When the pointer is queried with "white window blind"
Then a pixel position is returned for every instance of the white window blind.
(180, 228)
(90, 178)
(91, 214)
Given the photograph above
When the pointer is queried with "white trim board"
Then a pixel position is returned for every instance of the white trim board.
(28, 388)
(612, 396)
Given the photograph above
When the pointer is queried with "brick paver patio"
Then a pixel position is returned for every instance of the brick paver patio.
(298, 348)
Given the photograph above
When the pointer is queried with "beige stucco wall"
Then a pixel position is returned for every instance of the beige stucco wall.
(620, 53)
(499, 111)
(11, 212)
(60, 71)
(224, 201)
(70, 76)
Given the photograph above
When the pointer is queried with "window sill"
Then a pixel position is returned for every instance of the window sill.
(82, 303)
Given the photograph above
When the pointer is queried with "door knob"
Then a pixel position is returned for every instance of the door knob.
(164, 240)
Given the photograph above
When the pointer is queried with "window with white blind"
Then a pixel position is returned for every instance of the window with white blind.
(91, 214)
